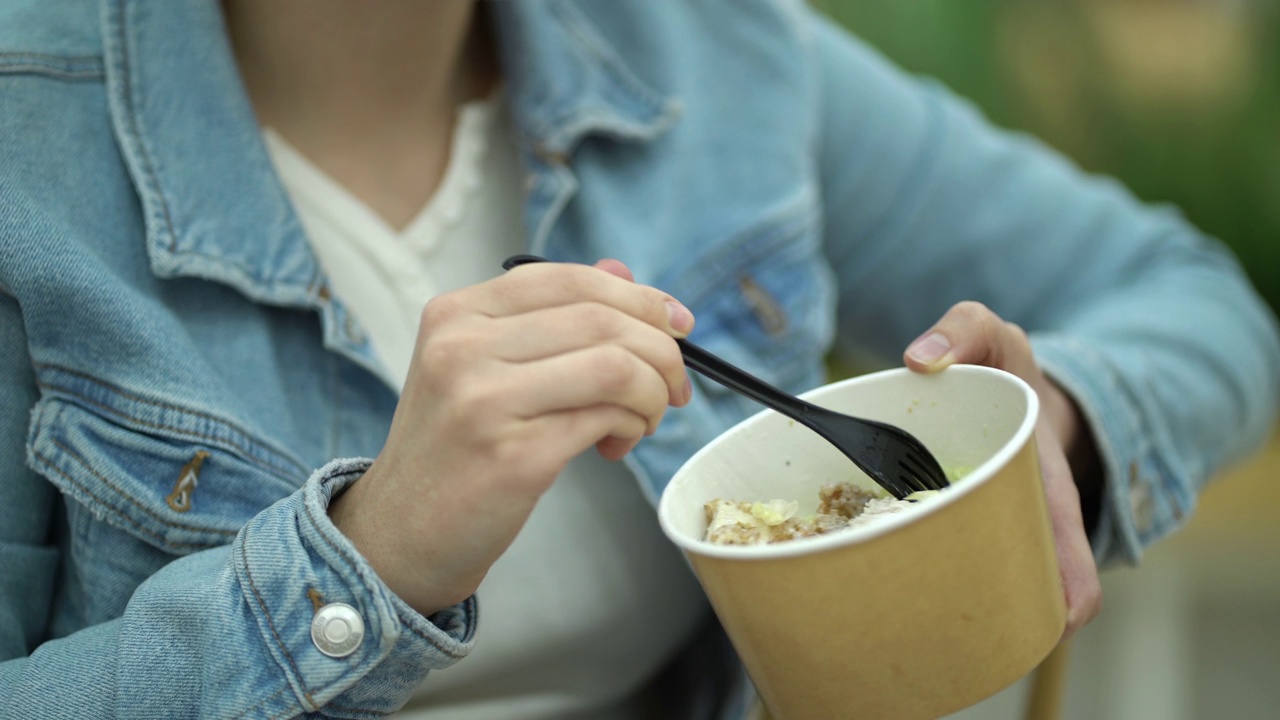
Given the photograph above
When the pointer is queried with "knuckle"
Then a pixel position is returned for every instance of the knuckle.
(633, 426)
(980, 317)
(970, 310)
(482, 402)
(578, 281)
(619, 421)
(438, 312)
(447, 367)
(1017, 335)
(599, 319)
(613, 369)
(445, 352)
(515, 452)
(473, 413)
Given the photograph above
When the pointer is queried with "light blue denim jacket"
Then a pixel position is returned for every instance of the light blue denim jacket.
(178, 388)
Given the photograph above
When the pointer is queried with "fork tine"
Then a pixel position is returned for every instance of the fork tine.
(908, 472)
(923, 461)
(922, 472)
(912, 474)
(896, 487)
(903, 485)
(902, 466)
(890, 481)
(932, 473)
(931, 479)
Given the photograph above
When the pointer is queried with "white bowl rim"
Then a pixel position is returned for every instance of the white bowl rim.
(883, 526)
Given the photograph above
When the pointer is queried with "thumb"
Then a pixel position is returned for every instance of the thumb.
(971, 333)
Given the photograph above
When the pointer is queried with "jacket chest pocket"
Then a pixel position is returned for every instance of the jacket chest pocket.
(146, 480)
(764, 301)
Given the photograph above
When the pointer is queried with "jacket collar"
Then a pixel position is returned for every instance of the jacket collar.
(566, 82)
(213, 206)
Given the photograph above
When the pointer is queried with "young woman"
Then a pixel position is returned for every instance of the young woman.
(272, 418)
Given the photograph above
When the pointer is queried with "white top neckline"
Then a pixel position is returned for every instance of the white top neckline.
(463, 178)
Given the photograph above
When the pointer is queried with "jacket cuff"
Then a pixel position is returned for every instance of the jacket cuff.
(1144, 496)
(292, 561)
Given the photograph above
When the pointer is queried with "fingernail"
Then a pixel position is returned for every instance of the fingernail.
(929, 349)
(679, 317)
(688, 389)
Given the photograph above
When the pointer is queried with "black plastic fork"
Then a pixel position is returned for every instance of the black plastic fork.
(895, 459)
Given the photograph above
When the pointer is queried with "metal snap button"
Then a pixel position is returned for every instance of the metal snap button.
(337, 630)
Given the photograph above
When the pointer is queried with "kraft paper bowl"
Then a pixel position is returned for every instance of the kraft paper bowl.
(917, 615)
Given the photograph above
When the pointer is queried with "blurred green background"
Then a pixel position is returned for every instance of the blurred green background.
(1178, 98)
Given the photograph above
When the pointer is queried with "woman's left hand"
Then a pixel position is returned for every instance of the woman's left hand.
(970, 333)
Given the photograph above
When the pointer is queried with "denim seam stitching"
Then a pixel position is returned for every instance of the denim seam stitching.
(114, 510)
(126, 88)
(434, 643)
(583, 31)
(134, 501)
(363, 711)
(37, 69)
(260, 703)
(49, 57)
(77, 66)
(244, 557)
(232, 427)
(158, 403)
(186, 433)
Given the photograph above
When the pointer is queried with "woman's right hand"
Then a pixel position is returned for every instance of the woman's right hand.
(510, 380)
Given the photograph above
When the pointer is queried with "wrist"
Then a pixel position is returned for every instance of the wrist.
(377, 537)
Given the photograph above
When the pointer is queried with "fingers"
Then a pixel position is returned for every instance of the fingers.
(616, 448)
(1076, 565)
(599, 375)
(560, 330)
(540, 310)
(616, 268)
(542, 285)
(971, 333)
(613, 429)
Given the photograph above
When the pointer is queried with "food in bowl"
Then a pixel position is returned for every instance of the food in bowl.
(840, 505)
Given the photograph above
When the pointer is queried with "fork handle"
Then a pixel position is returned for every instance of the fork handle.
(735, 378)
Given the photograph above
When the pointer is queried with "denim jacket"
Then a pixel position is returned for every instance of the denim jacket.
(180, 394)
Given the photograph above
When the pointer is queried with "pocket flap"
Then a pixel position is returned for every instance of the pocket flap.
(167, 483)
